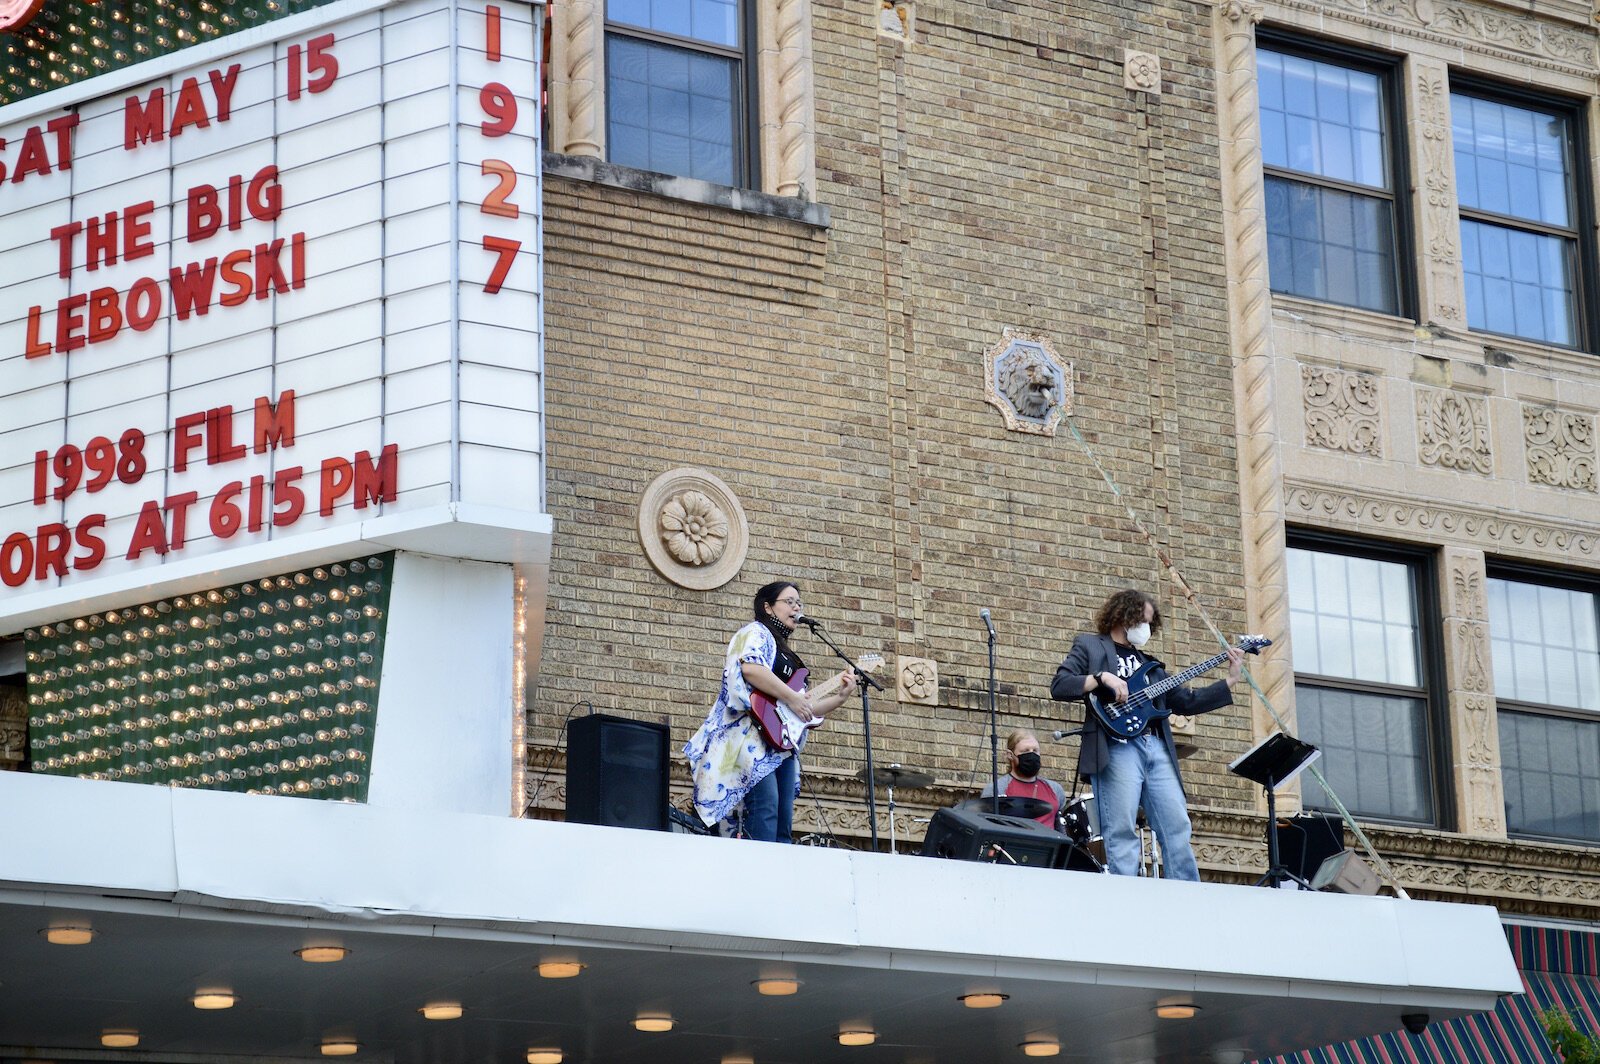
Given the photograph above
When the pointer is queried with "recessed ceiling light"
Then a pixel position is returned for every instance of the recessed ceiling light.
(654, 1023)
(214, 999)
(322, 954)
(544, 1056)
(441, 1010)
(983, 1000)
(738, 1058)
(563, 969)
(1176, 1010)
(119, 1039)
(1040, 1047)
(777, 986)
(340, 1047)
(857, 1037)
(68, 935)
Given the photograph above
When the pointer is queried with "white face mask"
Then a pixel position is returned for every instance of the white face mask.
(1139, 634)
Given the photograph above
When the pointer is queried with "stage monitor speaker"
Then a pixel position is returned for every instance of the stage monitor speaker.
(617, 772)
(1307, 840)
(968, 835)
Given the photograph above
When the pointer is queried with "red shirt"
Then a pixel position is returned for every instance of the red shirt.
(1038, 788)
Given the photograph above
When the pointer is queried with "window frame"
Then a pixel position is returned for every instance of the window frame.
(1586, 267)
(1569, 580)
(1423, 563)
(747, 127)
(1389, 69)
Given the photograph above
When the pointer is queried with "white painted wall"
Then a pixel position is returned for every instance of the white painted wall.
(443, 739)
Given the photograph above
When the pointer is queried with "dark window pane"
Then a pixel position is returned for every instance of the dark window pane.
(1341, 245)
(714, 21)
(1374, 752)
(1519, 283)
(672, 110)
(1321, 118)
(1551, 783)
(1512, 160)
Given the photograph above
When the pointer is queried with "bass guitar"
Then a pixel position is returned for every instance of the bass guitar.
(1128, 718)
(778, 724)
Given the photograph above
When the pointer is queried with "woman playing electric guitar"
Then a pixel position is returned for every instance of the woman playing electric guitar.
(733, 763)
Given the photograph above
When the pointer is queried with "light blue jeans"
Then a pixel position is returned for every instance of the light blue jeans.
(769, 805)
(1140, 772)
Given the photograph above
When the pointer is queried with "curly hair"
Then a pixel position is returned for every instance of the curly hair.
(1125, 609)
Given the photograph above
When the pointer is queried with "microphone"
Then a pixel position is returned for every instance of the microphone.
(987, 623)
(810, 622)
(1060, 734)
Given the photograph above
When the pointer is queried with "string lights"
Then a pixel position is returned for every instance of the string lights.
(268, 687)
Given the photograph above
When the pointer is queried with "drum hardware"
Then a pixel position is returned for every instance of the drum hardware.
(892, 776)
(1022, 808)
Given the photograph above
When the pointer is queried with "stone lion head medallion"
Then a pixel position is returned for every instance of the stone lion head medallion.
(1028, 382)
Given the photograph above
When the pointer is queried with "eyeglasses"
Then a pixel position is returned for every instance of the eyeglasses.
(793, 600)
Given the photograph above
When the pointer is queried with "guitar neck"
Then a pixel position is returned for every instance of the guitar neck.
(1156, 690)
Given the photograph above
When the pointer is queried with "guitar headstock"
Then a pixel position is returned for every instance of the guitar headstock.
(1253, 644)
(871, 661)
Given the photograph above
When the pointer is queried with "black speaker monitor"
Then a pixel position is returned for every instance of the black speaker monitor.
(970, 835)
(617, 772)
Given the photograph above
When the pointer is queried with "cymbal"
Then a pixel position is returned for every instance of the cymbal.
(1185, 750)
(896, 775)
(1010, 805)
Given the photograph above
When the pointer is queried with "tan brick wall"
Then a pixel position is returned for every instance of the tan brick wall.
(995, 173)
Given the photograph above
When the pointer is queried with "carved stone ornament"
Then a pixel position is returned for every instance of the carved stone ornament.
(894, 20)
(1453, 431)
(13, 726)
(693, 529)
(1560, 448)
(918, 681)
(1342, 412)
(1485, 26)
(1141, 72)
(1027, 382)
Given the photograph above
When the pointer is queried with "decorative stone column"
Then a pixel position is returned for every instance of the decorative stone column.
(1250, 326)
(788, 116)
(1441, 294)
(1469, 685)
(577, 78)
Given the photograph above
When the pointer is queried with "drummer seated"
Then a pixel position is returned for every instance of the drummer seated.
(1022, 779)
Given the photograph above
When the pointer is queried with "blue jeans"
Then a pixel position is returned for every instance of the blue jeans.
(769, 805)
(1140, 772)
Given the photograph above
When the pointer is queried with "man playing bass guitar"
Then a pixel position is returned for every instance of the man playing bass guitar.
(1130, 770)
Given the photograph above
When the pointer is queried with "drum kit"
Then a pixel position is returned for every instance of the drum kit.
(1076, 820)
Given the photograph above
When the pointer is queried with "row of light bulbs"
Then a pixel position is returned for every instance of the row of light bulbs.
(208, 712)
(781, 984)
(130, 660)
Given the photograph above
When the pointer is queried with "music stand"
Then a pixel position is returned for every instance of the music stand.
(1271, 763)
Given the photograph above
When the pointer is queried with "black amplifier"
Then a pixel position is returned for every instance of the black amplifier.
(968, 835)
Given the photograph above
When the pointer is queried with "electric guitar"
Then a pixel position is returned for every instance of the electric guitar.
(779, 725)
(1128, 718)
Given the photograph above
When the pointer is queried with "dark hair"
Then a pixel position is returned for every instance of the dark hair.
(768, 596)
(1126, 609)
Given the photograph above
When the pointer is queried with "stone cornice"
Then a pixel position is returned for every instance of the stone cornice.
(1487, 29)
(1400, 516)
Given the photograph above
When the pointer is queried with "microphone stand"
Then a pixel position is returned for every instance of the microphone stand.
(862, 680)
(994, 723)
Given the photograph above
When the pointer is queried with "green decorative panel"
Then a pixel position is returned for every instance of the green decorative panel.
(69, 41)
(269, 687)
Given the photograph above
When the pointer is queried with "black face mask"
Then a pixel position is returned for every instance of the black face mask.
(1027, 764)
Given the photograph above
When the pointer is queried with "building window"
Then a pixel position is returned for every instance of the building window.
(1515, 169)
(1330, 158)
(676, 99)
(1361, 652)
(1547, 687)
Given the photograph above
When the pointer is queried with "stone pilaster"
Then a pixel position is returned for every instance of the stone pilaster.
(788, 116)
(1250, 324)
(1441, 295)
(1469, 686)
(578, 79)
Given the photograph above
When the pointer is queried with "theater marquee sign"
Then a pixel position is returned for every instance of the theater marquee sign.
(269, 288)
